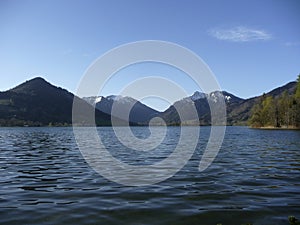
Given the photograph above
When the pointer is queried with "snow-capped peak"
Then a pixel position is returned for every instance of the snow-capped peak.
(98, 99)
(114, 97)
(121, 99)
(93, 100)
(198, 95)
(125, 100)
(215, 96)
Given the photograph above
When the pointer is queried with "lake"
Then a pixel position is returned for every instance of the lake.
(44, 179)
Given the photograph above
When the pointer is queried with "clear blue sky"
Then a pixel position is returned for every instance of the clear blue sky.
(251, 46)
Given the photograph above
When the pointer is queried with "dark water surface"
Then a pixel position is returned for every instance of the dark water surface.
(45, 180)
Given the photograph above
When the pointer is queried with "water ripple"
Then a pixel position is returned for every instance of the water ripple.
(44, 180)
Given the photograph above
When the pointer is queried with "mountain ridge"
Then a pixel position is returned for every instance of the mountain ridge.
(37, 102)
(116, 105)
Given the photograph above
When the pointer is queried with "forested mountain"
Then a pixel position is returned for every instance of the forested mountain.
(278, 108)
(38, 103)
(240, 113)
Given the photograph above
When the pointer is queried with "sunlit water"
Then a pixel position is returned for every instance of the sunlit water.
(45, 180)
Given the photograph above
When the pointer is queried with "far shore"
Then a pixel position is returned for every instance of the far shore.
(276, 128)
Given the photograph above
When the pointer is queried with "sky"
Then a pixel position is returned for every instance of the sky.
(250, 46)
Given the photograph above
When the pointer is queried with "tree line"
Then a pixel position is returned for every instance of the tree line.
(281, 111)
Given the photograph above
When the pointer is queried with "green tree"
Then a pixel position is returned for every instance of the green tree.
(256, 116)
(297, 103)
(281, 111)
(268, 111)
(264, 113)
(285, 109)
(297, 94)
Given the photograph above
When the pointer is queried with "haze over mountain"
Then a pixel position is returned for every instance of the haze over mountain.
(38, 103)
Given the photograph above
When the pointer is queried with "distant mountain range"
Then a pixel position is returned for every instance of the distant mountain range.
(139, 113)
(38, 103)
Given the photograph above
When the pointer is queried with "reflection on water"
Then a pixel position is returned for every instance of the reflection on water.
(45, 180)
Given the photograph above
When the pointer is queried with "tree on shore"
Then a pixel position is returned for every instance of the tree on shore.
(285, 109)
(256, 115)
(282, 111)
(264, 112)
(297, 103)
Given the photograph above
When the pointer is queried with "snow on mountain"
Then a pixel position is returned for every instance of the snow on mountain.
(98, 99)
(126, 100)
(218, 95)
(215, 96)
(198, 95)
(93, 100)
(139, 113)
(227, 98)
(113, 97)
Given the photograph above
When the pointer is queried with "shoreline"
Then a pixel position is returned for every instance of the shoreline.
(275, 128)
(258, 128)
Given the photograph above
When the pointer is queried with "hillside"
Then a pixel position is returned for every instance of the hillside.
(238, 109)
(240, 113)
(38, 103)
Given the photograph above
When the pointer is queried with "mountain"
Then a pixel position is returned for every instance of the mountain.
(139, 112)
(201, 102)
(240, 113)
(38, 103)
(289, 87)
(238, 110)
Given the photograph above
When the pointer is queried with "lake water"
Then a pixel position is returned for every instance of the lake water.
(254, 179)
